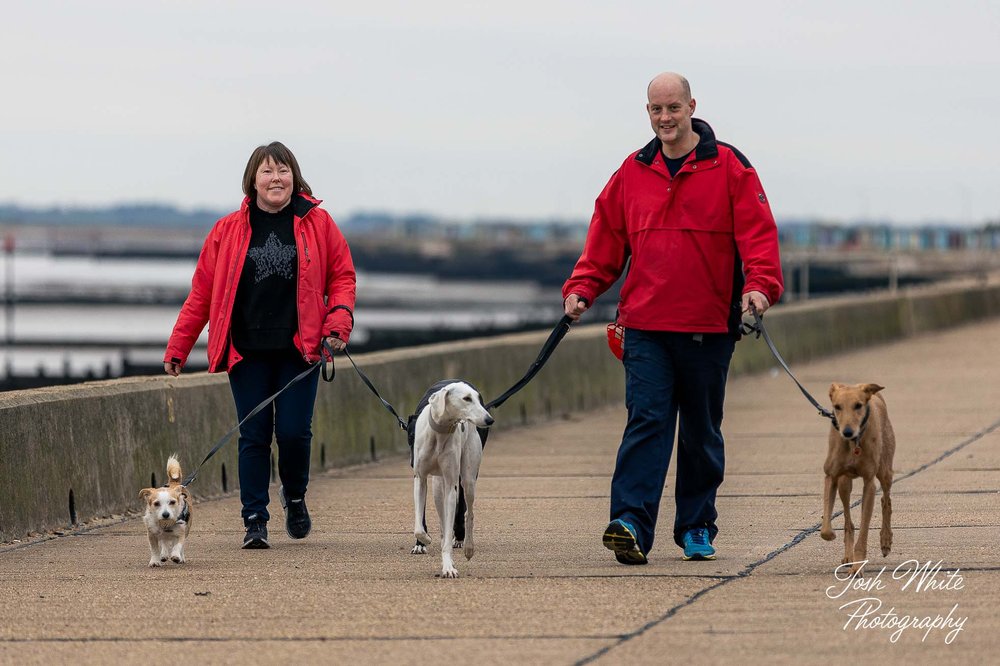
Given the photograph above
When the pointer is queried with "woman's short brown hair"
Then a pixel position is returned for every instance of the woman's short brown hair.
(280, 154)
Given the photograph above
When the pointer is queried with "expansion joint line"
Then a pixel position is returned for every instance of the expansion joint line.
(750, 568)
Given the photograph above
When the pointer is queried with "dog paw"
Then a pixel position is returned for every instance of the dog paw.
(469, 550)
(154, 562)
(177, 559)
(886, 550)
(449, 572)
(419, 549)
(827, 535)
(457, 543)
(423, 537)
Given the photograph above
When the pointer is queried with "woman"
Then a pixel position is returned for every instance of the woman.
(274, 279)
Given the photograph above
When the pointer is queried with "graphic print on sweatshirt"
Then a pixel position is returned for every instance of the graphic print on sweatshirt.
(272, 258)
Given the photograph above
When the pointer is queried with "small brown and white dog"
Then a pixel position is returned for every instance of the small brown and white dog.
(168, 517)
(861, 443)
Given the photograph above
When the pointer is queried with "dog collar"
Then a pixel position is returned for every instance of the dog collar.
(439, 428)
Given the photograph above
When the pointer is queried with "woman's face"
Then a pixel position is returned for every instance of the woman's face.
(274, 185)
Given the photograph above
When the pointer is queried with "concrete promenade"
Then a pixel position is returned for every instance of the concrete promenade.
(541, 588)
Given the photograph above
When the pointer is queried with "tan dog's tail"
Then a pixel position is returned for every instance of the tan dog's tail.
(173, 470)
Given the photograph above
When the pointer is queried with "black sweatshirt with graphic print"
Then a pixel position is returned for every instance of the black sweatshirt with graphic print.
(265, 318)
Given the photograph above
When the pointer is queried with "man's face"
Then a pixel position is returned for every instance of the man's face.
(670, 113)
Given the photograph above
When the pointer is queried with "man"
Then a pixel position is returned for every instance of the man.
(689, 217)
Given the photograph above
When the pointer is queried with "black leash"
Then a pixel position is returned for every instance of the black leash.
(758, 329)
(328, 377)
(371, 387)
(557, 334)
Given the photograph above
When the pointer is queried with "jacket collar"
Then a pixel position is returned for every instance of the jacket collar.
(301, 204)
(706, 148)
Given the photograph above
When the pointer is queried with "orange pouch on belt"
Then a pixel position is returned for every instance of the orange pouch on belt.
(616, 339)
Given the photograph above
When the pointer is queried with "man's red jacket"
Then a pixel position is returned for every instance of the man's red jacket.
(689, 240)
(325, 279)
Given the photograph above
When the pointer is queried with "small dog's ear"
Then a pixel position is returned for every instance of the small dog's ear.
(834, 387)
(145, 493)
(872, 389)
(184, 493)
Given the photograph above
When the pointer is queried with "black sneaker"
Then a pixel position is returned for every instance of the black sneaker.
(297, 521)
(256, 536)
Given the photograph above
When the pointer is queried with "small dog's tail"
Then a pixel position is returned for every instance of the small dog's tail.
(173, 470)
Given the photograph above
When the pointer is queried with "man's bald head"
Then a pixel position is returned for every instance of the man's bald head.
(668, 80)
(670, 110)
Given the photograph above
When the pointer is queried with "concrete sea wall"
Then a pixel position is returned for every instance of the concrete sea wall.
(72, 454)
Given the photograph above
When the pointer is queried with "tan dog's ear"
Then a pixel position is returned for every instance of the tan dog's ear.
(184, 493)
(872, 389)
(834, 387)
(146, 493)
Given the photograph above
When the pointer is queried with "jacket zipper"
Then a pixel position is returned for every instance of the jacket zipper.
(298, 298)
(245, 245)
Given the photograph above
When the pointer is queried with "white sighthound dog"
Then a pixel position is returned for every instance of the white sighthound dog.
(447, 446)
(167, 517)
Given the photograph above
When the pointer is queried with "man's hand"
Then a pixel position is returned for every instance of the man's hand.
(758, 300)
(172, 369)
(574, 306)
(336, 343)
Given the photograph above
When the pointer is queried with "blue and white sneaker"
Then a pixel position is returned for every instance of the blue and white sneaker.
(697, 546)
(619, 537)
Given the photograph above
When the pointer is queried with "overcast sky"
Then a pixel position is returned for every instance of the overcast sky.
(851, 109)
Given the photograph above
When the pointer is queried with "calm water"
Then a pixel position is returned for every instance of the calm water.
(139, 332)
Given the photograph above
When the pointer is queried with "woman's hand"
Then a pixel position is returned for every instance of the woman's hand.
(336, 343)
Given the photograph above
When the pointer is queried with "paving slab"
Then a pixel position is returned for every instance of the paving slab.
(541, 588)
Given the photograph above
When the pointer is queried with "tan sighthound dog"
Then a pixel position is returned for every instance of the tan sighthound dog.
(861, 444)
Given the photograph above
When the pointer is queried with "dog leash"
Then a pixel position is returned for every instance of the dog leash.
(371, 387)
(557, 334)
(328, 377)
(758, 329)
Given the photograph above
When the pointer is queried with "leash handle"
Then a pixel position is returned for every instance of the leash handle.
(758, 328)
(557, 334)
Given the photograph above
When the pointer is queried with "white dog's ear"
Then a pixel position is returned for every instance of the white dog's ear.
(145, 493)
(437, 402)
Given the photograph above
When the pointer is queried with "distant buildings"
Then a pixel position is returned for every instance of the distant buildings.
(882, 236)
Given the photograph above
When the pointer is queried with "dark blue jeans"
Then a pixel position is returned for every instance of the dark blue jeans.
(671, 375)
(288, 420)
